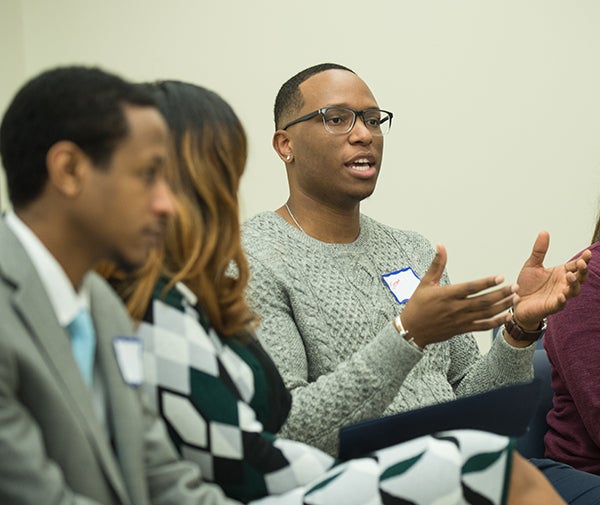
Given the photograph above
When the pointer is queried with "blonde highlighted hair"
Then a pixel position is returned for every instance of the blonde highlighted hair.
(202, 246)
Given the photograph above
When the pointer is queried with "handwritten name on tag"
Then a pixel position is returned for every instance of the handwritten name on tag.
(402, 283)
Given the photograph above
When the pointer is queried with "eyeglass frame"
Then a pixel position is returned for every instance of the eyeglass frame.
(355, 113)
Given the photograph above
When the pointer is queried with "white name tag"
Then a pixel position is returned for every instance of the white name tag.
(129, 357)
(402, 283)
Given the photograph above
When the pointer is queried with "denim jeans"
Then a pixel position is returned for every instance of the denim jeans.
(574, 486)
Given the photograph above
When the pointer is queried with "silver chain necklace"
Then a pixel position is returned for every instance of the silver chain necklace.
(294, 219)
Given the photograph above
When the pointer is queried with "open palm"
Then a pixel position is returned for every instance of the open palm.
(543, 291)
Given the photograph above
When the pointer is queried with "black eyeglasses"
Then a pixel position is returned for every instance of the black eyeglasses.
(340, 120)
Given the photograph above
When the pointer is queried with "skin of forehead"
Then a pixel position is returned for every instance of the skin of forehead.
(336, 87)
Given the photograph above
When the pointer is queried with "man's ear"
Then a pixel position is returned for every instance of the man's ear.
(66, 163)
(283, 146)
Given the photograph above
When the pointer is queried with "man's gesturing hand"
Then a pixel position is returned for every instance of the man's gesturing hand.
(543, 291)
(436, 313)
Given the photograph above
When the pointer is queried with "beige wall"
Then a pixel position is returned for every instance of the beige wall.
(497, 103)
(13, 63)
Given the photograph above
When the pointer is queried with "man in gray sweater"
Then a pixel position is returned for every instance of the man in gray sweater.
(360, 318)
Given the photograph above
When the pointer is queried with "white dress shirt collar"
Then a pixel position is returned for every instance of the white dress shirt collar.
(66, 301)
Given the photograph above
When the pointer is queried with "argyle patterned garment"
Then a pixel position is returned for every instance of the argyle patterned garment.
(462, 467)
(205, 390)
(217, 396)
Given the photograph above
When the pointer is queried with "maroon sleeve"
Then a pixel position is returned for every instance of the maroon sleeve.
(573, 344)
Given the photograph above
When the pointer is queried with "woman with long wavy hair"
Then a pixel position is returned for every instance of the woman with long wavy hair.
(219, 393)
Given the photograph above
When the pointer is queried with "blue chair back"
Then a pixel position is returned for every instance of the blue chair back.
(531, 444)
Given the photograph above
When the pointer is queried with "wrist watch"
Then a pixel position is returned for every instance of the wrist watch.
(519, 334)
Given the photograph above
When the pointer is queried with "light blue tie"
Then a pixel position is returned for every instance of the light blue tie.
(83, 343)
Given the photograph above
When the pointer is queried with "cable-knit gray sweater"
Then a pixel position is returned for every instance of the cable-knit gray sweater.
(326, 321)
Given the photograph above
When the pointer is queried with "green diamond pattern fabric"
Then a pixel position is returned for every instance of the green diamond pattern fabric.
(207, 390)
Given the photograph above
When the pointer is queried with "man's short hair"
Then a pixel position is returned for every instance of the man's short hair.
(84, 105)
(289, 99)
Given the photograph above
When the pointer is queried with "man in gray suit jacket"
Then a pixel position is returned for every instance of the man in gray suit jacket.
(84, 153)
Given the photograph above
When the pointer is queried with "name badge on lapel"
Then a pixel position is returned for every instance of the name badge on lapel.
(128, 351)
(402, 283)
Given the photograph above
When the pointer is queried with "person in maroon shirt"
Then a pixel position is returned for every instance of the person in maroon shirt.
(572, 341)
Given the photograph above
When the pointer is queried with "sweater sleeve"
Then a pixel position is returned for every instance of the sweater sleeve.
(358, 388)
(471, 373)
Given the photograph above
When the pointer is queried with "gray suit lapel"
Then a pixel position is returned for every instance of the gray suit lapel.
(31, 302)
(123, 401)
